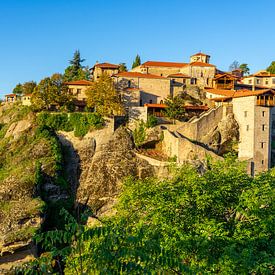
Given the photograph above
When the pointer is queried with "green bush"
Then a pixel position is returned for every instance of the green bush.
(152, 121)
(139, 134)
(80, 123)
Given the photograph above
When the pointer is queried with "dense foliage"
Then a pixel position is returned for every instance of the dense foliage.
(25, 88)
(104, 98)
(219, 222)
(136, 62)
(76, 71)
(80, 123)
(175, 107)
(271, 67)
(51, 91)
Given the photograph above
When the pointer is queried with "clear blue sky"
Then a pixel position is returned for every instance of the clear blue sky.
(38, 37)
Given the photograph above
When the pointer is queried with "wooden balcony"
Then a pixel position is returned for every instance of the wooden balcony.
(224, 86)
(268, 102)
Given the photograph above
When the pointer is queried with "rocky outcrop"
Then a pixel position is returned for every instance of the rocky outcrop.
(105, 159)
(224, 137)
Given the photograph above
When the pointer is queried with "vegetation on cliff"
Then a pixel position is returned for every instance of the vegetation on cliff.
(218, 222)
(31, 167)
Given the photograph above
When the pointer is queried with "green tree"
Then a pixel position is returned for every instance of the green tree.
(244, 67)
(136, 62)
(122, 67)
(219, 222)
(103, 97)
(51, 91)
(25, 88)
(76, 71)
(175, 107)
(271, 68)
(18, 90)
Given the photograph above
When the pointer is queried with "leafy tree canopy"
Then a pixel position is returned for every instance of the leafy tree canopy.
(219, 222)
(122, 67)
(103, 97)
(25, 88)
(245, 68)
(76, 71)
(50, 91)
(175, 107)
(136, 62)
(271, 68)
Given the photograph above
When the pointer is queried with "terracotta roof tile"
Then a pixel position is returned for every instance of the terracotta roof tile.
(163, 64)
(238, 93)
(180, 75)
(202, 54)
(138, 75)
(11, 95)
(106, 65)
(80, 82)
(201, 64)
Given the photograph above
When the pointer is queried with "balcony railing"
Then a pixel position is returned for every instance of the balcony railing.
(266, 102)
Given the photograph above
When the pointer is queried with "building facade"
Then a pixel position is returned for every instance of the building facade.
(103, 68)
(261, 78)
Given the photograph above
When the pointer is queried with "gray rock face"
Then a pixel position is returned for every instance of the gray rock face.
(225, 136)
(102, 175)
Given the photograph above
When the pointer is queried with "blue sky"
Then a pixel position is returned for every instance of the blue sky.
(38, 37)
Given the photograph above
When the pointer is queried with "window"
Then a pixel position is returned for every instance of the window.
(71, 91)
(263, 113)
(78, 91)
(150, 101)
(247, 127)
(266, 82)
(262, 161)
(258, 81)
(273, 81)
(245, 113)
(129, 83)
(262, 144)
(250, 81)
(263, 127)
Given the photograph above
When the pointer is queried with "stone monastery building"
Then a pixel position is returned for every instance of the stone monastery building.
(144, 89)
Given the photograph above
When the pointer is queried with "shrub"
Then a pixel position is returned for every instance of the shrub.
(152, 121)
(139, 134)
(80, 123)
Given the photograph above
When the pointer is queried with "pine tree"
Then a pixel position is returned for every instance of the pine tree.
(136, 62)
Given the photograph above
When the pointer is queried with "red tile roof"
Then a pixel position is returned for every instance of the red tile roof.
(80, 82)
(217, 76)
(202, 54)
(239, 93)
(163, 64)
(201, 64)
(106, 65)
(11, 95)
(137, 75)
(27, 95)
(179, 75)
(187, 107)
(155, 105)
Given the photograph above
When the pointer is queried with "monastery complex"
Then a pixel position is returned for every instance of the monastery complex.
(249, 100)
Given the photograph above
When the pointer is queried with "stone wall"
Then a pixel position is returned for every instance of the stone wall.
(174, 145)
(199, 127)
(153, 90)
